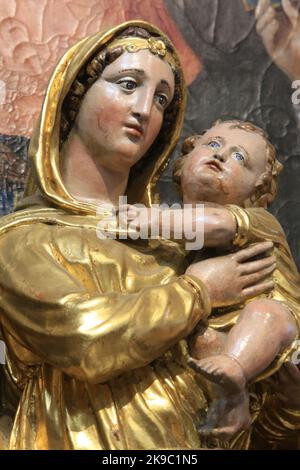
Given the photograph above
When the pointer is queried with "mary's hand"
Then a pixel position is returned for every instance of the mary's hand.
(232, 279)
(280, 34)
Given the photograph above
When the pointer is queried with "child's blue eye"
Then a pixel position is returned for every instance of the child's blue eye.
(238, 156)
(214, 144)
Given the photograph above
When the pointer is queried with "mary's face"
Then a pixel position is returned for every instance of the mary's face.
(122, 113)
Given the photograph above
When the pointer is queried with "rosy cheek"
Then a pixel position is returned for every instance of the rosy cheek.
(154, 128)
(108, 115)
(237, 179)
(198, 153)
(195, 161)
(191, 165)
(193, 158)
(233, 179)
(235, 170)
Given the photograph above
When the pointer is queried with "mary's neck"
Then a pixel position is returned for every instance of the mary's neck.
(86, 179)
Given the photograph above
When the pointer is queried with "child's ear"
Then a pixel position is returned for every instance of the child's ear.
(248, 203)
(260, 195)
(189, 144)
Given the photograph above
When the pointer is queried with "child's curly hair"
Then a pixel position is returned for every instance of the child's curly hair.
(266, 186)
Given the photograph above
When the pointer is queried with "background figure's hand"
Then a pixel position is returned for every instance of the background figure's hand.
(232, 279)
(286, 383)
(280, 34)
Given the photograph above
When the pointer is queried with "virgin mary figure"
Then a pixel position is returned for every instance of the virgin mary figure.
(94, 329)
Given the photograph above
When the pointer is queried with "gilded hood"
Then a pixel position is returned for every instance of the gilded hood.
(44, 150)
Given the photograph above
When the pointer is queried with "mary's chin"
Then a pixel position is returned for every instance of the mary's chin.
(131, 151)
(128, 159)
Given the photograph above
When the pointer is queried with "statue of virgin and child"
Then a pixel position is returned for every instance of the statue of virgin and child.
(97, 330)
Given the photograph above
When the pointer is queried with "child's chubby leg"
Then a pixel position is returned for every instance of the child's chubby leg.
(205, 342)
(264, 329)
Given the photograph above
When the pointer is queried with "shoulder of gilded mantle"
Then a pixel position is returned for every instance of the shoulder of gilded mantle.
(34, 217)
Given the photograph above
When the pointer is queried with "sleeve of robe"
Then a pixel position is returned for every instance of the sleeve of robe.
(94, 336)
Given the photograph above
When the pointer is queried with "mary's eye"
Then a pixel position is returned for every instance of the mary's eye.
(127, 84)
(238, 156)
(162, 100)
(214, 144)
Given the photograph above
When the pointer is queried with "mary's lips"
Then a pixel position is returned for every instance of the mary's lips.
(134, 129)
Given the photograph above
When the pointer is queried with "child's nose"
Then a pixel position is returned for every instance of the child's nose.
(220, 156)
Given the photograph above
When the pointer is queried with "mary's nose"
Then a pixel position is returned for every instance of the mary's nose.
(142, 106)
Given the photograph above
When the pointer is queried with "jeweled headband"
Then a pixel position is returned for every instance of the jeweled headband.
(135, 44)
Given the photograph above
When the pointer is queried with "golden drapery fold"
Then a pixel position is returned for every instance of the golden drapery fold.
(277, 426)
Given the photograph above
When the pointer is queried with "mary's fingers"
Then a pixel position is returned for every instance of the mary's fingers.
(259, 276)
(253, 250)
(258, 289)
(254, 266)
(291, 12)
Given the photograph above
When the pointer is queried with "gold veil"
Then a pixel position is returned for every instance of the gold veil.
(44, 149)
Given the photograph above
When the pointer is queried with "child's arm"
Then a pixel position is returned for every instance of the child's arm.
(217, 223)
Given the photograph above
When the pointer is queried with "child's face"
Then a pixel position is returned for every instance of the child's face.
(224, 166)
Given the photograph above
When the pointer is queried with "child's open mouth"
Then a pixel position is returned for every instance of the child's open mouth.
(214, 165)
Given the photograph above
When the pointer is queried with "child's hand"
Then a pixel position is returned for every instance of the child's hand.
(141, 219)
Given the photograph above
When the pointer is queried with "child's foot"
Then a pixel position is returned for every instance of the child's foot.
(228, 414)
(222, 370)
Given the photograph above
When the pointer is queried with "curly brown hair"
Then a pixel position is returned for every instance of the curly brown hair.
(266, 186)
